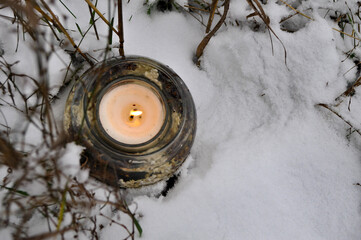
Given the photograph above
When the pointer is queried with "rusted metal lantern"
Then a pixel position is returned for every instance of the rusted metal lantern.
(131, 165)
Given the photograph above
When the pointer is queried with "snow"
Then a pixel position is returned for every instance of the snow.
(267, 162)
(276, 185)
(71, 152)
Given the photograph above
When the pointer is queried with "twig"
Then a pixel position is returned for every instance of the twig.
(350, 90)
(49, 234)
(58, 23)
(11, 158)
(211, 15)
(120, 224)
(346, 34)
(297, 10)
(208, 37)
(101, 16)
(286, 18)
(200, 9)
(120, 29)
(338, 115)
(93, 21)
(261, 13)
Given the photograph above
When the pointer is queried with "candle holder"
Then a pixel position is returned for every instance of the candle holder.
(122, 164)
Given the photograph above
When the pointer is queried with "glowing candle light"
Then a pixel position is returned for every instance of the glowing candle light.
(131, 113)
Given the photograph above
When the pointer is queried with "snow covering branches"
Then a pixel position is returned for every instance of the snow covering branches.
(45, 192)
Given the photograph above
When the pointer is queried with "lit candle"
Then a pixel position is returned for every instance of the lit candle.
(131, 113)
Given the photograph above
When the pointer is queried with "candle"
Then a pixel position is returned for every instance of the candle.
(131, 113)
(136, 118)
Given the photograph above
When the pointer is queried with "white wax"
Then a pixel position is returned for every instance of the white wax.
(131, 113)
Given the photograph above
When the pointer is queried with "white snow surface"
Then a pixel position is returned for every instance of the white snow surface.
(267, 162)
(66, 161)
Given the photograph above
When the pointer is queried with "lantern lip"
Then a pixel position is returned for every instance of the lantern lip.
(136, 80)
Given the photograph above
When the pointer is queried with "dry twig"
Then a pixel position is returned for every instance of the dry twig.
(120, 29)
(259, 11)
(338, 115)
(211, 15)
(208, 37)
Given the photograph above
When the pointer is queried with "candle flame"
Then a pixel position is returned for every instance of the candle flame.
(135, 112)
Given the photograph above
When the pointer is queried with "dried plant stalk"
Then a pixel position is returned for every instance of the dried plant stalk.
(259, 11)
(211, 15)
(208, 37)
(101, 16)
(55, 20)
(338, 115)
(120, 28)
(298, 12)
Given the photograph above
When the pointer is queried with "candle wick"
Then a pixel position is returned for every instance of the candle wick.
(135, 112)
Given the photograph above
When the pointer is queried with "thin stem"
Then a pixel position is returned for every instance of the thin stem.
(93, 21)
(350, 35)
(208, 37)
(120, 29)
(55, 20)
(101, 16)
(350, 90)
(338, 115)
(296, 10)
(211, 15)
